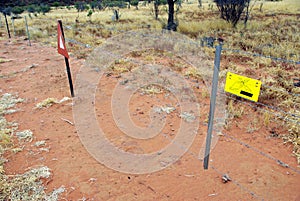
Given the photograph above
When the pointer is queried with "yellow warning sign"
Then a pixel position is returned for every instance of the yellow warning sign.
(242, 86)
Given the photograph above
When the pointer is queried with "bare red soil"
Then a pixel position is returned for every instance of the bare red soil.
(253, 175)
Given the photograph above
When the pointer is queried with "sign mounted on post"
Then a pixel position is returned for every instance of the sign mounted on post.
(61, 46)
(245, 87)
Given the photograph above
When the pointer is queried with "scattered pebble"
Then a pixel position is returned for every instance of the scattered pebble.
(226, 178)
(92, 179)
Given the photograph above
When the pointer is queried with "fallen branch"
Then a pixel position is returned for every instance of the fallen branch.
(68, 121)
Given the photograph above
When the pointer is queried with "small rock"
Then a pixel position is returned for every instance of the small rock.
(92, 179)
(226, 178)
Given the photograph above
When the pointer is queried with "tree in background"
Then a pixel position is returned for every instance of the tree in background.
(17, 10)
(200, 3)
(43, 8)
(135, 3)
(247, 13)
(31, 9)
(37, 9)
(6, 10)
(56, 4)
(80, 6)
(129, 3)
(157, 3)
(97, 5)
(171, 24)
(231, 10)
(115, 3)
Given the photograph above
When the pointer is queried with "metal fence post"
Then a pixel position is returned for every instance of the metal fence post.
(212, 104)
(7, 27)
(13, 25)
(27, 30)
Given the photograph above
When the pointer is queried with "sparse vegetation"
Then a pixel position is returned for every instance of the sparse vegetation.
(27, 186)
(266, 32)
(231, 10)
(50, 101)
(273, 30)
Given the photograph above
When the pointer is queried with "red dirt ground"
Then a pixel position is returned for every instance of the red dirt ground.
(84, 177)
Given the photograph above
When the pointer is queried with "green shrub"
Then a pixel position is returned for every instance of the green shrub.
(17, 10)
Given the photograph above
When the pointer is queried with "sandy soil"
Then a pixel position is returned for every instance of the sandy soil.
(86, 179)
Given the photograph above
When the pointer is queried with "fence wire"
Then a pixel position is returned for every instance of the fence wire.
(261, 55)
(262, 109)
(222, 173)
(278, 161)
(208, 41)
(257, 105)
(219, 172)
(222, 92)
(280, 90)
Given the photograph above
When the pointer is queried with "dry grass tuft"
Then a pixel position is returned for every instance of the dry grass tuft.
(27, 186)
(273, 29)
